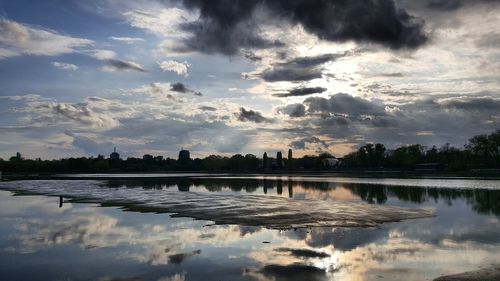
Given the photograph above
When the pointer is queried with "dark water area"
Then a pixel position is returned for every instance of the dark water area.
(148, 228)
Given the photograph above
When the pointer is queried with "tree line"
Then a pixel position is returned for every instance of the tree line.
(481, 152)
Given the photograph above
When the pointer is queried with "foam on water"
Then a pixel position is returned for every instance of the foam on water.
(250, 210)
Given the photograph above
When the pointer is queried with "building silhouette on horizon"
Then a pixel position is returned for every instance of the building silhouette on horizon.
(114, 155)
(184, 155)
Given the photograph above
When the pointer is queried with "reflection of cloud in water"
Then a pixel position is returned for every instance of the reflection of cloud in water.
(179, 258)
(86, 231)
(147, 243)
(303, 253)
(270, 212)
(290, 272)
(176, 277)
(457, 240)
(391, 254)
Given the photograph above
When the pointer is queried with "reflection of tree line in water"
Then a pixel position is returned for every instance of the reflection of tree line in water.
(484, 201)
(212, 185)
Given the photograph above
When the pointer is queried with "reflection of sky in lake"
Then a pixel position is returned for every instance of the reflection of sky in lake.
(86, 242)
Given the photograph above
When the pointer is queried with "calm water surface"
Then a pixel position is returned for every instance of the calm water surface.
(41, 240)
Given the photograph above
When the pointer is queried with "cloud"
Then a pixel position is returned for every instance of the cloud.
(344, 104)
(93, 113)
(163, 22)
(444, 5)
(181, 68)
(103, 54)
(89, 145)
(19, 39)
(293, 110)
(65, 66)
(181, 88)
(301, 144)
(117, 65)
(476, 104)
(303, 91)
(128, 40)
(428, 121)
(112, 63)
(297, 69)
(489, 40)
(251, 116)
(453, 5)
(207, 108)
(169, 90)
(223, 28)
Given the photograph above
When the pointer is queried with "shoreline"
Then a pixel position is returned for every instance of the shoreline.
(320, 174)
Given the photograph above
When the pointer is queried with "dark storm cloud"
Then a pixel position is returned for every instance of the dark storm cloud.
(302, 92)
(226, 26)
(445, 5)
(338, 104)
(473, 104)
(181, 88)
(343, 103)
(434, 121)
(296, 74)
(251, 116)
(452, 5)
(294, 110)
(124, 65)
(298, 69)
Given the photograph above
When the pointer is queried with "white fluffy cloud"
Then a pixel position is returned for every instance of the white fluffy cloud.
(113, 63)
(164, 22)
(94, 114)
(19, 39)
(103, 54)
(128, 40)
(65, 66)
(181, 68)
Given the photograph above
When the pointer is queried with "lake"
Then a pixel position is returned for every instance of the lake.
(227, 227)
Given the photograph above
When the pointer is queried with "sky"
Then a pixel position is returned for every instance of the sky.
(244, 76)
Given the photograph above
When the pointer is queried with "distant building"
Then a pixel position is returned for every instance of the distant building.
(265, 161)
(290, 155)
(18, 156)
(147, 157)
(114, 155)
(330, 162)
(279, 160)
(184, 155)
